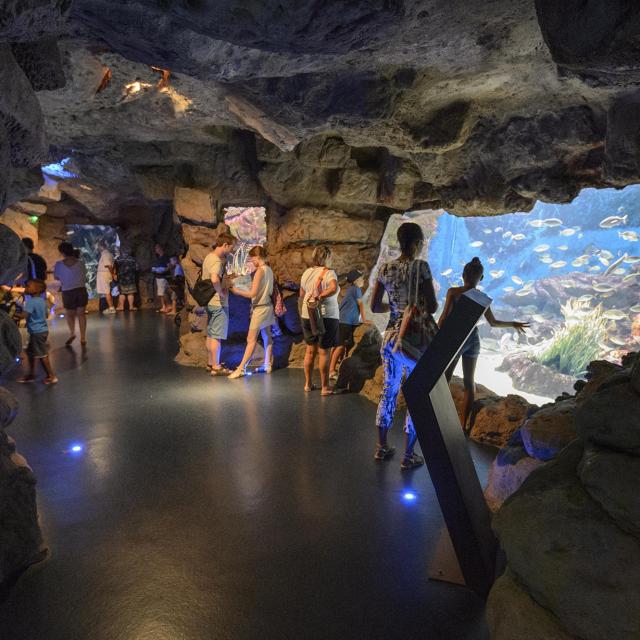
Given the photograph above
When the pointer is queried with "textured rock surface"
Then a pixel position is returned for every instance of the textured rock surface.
(550, 430)
(571, 532)
(532, 621)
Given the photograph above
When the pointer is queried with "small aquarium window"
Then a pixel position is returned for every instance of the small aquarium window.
(85, 238)
(249, 226)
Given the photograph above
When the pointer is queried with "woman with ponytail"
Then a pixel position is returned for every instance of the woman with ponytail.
(472, 274)
(262, 316)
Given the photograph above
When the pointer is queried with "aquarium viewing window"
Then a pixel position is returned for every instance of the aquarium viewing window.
(249, 226)
(572, 271)
(86, 238)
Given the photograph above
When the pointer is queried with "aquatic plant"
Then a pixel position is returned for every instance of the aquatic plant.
(574, 346)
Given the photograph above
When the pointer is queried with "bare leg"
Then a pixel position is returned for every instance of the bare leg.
(336, 358)
(309, 361)
(82, 323)
(469, 370)
(109, 300)
(121, 300)
(252, 340)
(268, 346)
(449, 372)
(216, 348)
(409, 442)
(324, 369)
(70, 316)
(46, 365)
(131, 299)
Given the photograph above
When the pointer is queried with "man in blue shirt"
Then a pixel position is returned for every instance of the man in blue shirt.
(352, 314)
(35, 313)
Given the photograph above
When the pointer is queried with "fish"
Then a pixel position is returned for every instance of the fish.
(604, 347)
(491, 260)
(563, 247)
(558, 264)
(567, 232)
(518, 236)
(619, 272)
(476, 244)
(632, 259)
(579, 262)
(617, 341)
(541, 248)
(596, 267)
(507, 289)
(586, 298)
(567, 284)
(448, 272)
(614, 314)
(487, 231)
(631, 236)
(496, 274)
(546, 259)
(524, 292)
(605, 254)
(631, 276)
(613, 221)
(536, 224)
(507, 234)
(517, 280)
(613, 266)
(604, 261)
(552, 222)
(70, 233)
(635, 308)
(602, 287)
(498, 229)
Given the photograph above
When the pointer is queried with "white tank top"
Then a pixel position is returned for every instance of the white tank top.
(265, 289)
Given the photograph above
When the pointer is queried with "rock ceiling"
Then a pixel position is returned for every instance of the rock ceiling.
(365, 106)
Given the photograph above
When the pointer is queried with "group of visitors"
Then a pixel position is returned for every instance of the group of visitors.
(169, 280)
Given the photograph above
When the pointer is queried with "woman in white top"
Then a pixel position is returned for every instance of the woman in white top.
(72, 275)
(319, 285)
(262, 316)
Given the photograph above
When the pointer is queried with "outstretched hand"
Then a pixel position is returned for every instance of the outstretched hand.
(521, 327)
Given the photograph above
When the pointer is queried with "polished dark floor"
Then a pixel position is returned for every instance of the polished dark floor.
(210, 508)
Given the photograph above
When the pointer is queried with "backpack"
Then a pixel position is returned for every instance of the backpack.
(278, 300)
(203, 290)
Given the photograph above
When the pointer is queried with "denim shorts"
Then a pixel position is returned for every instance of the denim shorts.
(471, 348)
(217, 322)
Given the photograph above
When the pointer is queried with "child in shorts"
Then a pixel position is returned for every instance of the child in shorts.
(35, 313)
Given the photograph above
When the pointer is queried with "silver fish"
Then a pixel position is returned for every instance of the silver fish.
(518, 236)
(552, 222)
(632, 259)
(613, 221)
(476, 244)
(487, 231)
(507, 289)
(631, 236)
(605, 254)
(619, 272)
(579, 262)
(586, 298)
(602, 287)
(496, 274)
(541, 248)
(563, 247)
(614, 314)
(567, 232)
(595, 268)
(546, 259)
(448, 272)
(618, 341)
(498, 229)
(604, 261)
(558, 265)
(536, 224)
(517, 280)
(523, 292)
(631, 276)
(613, 266)
(507, 234)
(635, 308)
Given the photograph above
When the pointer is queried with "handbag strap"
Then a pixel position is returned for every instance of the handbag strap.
(317, 285)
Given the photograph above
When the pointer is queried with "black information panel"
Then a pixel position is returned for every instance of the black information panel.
(444, 446)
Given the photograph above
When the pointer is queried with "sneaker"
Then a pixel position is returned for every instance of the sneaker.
(384, 453)
(411, 462)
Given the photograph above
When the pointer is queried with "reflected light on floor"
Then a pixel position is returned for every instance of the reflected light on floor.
(75, 449)
(409, 496)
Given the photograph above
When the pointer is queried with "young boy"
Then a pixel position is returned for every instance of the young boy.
(35, 313)
(352, 314)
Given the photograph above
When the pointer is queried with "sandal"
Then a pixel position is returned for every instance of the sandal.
(220, 371)
(327, 393)
(50, 380)
(311, 388)
(411, 461)
(384, 453)
(25, 379)
(238, 373)
(70, 340)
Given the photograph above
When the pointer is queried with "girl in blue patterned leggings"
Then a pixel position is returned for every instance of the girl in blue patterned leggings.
(407, 281)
